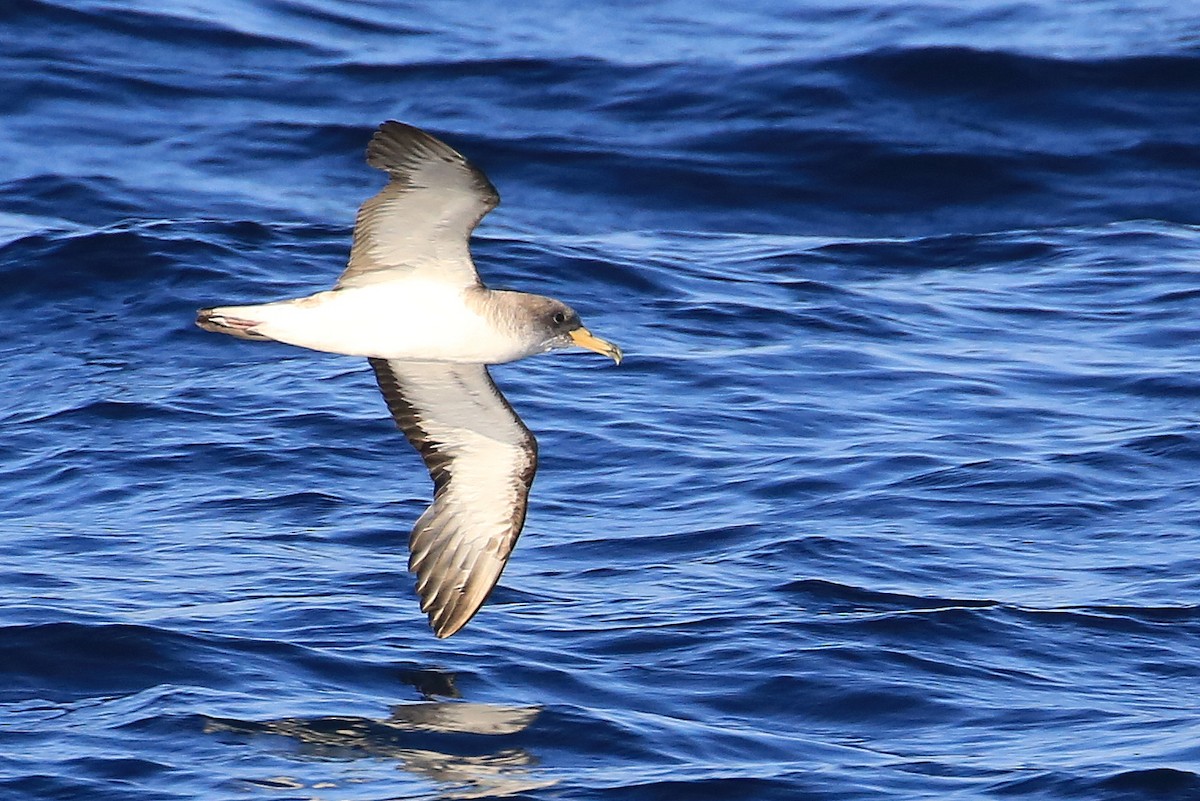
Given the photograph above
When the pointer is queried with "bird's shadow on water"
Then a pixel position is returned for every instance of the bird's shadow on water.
(464, 748)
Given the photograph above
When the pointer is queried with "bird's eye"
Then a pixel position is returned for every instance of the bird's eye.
(559, 318)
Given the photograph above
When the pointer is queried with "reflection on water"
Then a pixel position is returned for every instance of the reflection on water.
(433, 683)
(437, 740)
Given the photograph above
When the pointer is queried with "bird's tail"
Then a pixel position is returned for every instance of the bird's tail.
(236, 321)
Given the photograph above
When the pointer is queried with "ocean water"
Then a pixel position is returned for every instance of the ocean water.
(896, 495)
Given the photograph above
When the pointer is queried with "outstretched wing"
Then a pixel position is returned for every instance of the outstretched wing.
(422, 220)
(482, 459)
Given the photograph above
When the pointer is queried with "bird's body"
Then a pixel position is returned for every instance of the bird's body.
(412, 303)
(394, 321)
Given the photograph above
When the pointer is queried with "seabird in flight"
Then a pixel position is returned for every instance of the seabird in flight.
(411, 302)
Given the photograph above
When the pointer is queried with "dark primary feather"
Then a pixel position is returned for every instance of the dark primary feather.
(422, 220)
(401, 150)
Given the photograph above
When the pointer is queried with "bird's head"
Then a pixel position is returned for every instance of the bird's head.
(560, 327)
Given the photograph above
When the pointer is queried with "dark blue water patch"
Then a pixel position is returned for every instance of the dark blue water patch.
(876, 706)
(58, 787)
(1168, 783)
(44, 660)
(820, 596)
(168, 29)
(1130, 621)
(1009, 75)
(1161, 386)
(1166, 615)
(715, 788)
(65, 662)
(303, 505)
(94, 199)
(584, 78)
(1155, 782)
(61, 266)
(714, 538)
(975, 252)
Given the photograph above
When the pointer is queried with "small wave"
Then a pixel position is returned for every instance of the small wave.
(60, 661)
(1156, 782)
(68, 660)
(1129, 785)
(820, 595)
(161, 27)
(997, 73)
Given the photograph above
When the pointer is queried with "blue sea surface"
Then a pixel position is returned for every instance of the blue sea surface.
(896, 496)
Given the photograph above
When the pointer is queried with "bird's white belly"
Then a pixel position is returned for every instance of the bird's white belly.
(416, 321)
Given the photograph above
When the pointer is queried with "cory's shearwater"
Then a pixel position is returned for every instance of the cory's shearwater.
(412, 303)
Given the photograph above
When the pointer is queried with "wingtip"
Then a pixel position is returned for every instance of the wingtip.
(448, 618)
(395, 130)
(393, 142)
(396, 147)
(446, 625)
(444, 632)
